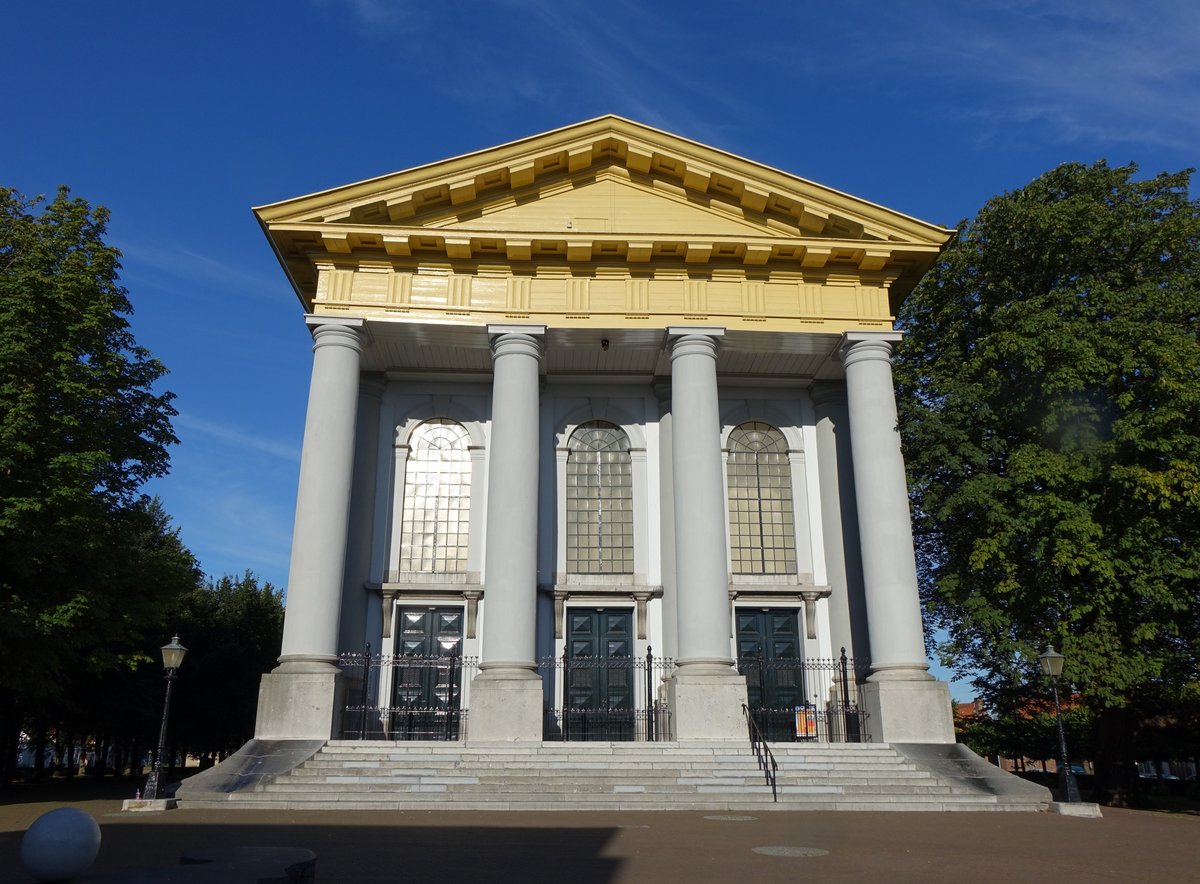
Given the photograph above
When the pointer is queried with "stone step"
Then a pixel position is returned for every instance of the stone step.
(597, 801)
(458, 793)
(343, 774)
(612, 776)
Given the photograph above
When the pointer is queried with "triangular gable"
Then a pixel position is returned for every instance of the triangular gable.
(607, 198)
(606, 203)
(764, 198)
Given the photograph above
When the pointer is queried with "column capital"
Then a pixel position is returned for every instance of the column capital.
(517, 339)
(856, 346)
(694, 342)
(336, 331)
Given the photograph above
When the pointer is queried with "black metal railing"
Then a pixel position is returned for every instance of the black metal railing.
(606, 698)
(805, 700)
(422, 696)
(766, 758)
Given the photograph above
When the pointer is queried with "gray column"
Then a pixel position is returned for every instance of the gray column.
(510, 560)
(839, 521)
(314, 590)
(361, 533)
(701, 568)
(666, 529)
(885, 522)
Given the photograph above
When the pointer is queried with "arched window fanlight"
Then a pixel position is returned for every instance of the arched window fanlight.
(599, 500)
(437, 499)
(762, 531)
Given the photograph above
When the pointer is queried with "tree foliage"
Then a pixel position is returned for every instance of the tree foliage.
(87, 563)
(1049, 394)
(81, 430)
(233, 628)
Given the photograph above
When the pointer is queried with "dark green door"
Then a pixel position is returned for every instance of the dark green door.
(599, 675)
(770, 655)
(426, 683)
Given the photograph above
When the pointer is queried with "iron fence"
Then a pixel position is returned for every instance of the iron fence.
(606, 698)
(814, 700)
(389, 697)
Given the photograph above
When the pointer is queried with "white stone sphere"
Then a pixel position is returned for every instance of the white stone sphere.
(60, 844)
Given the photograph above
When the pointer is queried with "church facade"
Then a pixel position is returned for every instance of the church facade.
(601, 439)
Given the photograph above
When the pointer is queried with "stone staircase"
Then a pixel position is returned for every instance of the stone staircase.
(609, 776)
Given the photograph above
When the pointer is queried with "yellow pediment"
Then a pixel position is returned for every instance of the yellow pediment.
(609, 203)
(523, 169)
(606, 221)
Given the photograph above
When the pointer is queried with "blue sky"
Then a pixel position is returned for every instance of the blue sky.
(179, 117)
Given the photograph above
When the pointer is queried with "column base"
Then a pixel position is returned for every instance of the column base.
(707, 706)
(298, 705)
(506, 706)
(908, 711)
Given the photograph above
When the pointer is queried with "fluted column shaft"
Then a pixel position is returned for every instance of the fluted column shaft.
(510, 561)
(701, 566)
(314, 590)
(885, 521)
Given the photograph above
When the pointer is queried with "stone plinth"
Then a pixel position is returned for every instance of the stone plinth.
(506, 706)
(908, 711)
(298, 705)
(707, 706)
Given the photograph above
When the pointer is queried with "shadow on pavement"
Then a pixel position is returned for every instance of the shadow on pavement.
(366, 854)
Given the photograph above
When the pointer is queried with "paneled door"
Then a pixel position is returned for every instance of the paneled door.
(427, 674)
(770, 655)
(599, 675)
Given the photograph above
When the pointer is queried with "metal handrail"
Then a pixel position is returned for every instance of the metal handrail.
(758, 744)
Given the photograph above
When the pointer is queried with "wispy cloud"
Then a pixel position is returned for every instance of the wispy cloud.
(232, 523)
(179, 263)
(1103, 70)
(378, 17)
(239, 438)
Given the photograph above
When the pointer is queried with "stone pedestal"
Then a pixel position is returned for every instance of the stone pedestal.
(298, 705)
(908, 711)
(506, 706)
(707, 707)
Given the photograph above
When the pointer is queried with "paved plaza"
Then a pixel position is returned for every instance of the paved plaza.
(358, 847)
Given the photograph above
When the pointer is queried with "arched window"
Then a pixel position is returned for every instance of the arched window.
(437, 499)
(762, 532)
(599, 501)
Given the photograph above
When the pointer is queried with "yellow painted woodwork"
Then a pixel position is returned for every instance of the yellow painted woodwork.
(604, 224)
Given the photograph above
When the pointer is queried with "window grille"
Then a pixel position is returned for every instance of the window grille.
(762, 531)
(599, 501)
(437, 499)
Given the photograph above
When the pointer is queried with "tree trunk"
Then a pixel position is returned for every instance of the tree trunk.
(39, 753)
(98, 768)
(69, 767)
(1116, 779)
(10, 738)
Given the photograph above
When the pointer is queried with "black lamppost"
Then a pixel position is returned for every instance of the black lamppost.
(1052, 665)
(172, 655)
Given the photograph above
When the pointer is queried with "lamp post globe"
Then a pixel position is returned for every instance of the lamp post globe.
(1051, 663)
(172, 657)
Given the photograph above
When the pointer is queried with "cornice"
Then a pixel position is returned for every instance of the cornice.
(597, 143)
(365, 241)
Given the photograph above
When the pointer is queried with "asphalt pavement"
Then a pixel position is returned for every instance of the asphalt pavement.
(446, 847)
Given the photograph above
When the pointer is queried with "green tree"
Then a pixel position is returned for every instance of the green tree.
(1049, 393)
(82, 428)
(233, 629)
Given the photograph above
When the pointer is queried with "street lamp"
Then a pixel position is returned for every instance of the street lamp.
(172, 656)
(1052, 666)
